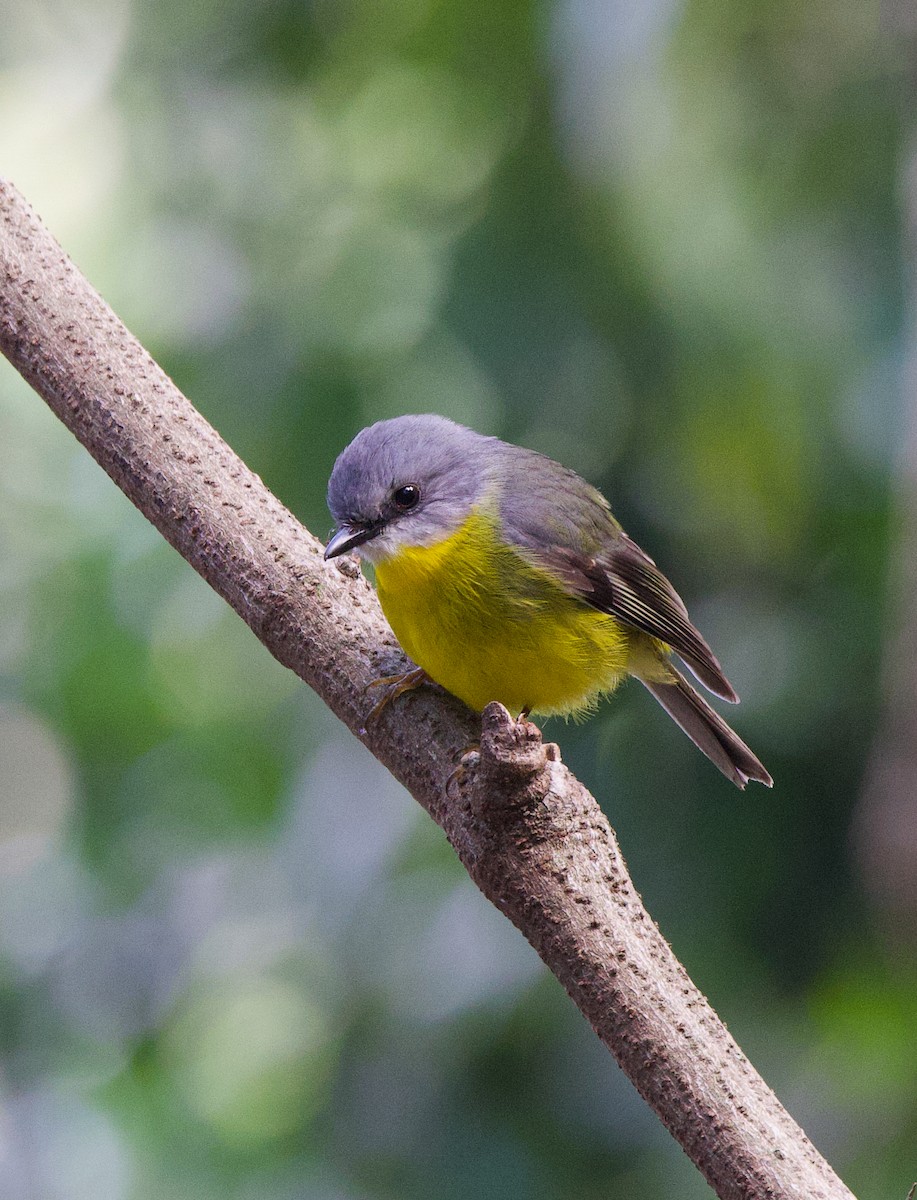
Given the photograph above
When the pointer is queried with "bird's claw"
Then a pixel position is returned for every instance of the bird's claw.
(395, 686)
(470, 758)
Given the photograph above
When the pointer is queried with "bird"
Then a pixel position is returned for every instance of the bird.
(504, 576)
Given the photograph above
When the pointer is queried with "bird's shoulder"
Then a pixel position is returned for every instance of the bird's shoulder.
(542, 503)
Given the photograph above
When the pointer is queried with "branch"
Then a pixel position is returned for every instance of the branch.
(530, 835)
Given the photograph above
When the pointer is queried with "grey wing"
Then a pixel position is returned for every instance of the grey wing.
(555, 517)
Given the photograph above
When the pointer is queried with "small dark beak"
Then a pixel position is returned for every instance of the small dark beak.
(348, 537)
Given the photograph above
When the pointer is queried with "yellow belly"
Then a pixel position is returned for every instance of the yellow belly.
(487, 625)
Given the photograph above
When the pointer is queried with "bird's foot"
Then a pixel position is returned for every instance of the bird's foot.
(395, 686)
(470, 757)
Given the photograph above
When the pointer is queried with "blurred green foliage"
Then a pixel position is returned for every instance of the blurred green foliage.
(660, 242)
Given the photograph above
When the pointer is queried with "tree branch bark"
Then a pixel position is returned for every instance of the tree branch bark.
(530, 835)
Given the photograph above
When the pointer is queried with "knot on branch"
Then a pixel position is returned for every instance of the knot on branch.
(505, 782)
(513, 768)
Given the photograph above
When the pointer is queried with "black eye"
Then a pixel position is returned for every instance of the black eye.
(407, 497)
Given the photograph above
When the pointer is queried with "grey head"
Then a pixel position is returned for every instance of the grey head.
(408, 481)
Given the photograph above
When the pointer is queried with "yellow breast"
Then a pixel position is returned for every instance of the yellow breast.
(488, 625)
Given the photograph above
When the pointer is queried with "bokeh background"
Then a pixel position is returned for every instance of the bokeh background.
(666, 242)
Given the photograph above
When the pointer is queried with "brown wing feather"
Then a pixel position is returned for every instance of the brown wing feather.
(625, 582)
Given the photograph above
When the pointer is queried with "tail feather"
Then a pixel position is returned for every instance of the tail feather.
(708, 731)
